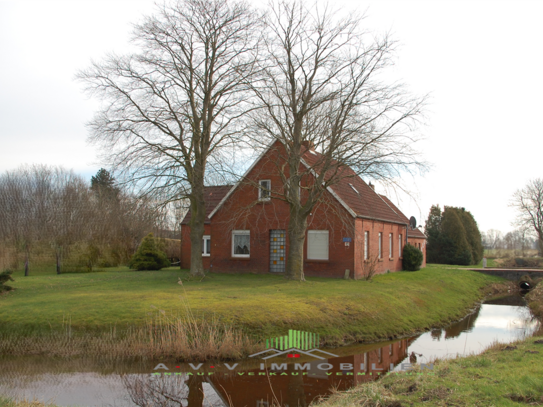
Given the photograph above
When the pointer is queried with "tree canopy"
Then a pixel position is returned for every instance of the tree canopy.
(453, 237)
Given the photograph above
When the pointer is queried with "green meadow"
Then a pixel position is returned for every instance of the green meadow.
(117, 302)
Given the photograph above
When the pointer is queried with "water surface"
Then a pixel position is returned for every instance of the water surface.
(254, 382)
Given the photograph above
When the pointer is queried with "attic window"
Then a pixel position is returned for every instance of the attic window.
(355, 190)
(264, 190)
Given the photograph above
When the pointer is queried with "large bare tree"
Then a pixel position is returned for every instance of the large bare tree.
(529, 203)
(173, 106)
(323, 89)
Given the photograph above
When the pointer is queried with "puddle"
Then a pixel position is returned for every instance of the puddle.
(287, 381)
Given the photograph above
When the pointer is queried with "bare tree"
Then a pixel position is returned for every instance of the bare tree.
(48, 215)
(493, 239)
(322, 90)
(529, 204)
(369, 267)
(171, 109)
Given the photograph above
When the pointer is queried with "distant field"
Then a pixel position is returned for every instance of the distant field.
(507, 253)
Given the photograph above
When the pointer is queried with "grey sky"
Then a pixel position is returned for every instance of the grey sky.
(480, 60)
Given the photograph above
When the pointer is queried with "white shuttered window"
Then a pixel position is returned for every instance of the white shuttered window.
(317, 245)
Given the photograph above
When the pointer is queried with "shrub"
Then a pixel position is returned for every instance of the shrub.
(5, 276)
(149, 256)
(522, 262)
(412, 258)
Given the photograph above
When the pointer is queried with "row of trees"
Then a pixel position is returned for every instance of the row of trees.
(520, 240)
(50, 215)
(453, 237)
(214, 75)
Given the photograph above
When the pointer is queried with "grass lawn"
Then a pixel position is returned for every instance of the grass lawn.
(260, 305)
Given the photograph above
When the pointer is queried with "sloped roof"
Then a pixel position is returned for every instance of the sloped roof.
(353, 193)
(212, 197)
(357, 195)
(410, 232)
(415, 233)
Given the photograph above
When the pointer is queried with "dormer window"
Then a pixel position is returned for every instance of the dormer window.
(264, 190)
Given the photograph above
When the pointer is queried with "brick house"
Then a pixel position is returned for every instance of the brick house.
(351, 228)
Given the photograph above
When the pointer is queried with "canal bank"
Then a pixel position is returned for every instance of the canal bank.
(127, 314)
(503, 375)
(281, 380)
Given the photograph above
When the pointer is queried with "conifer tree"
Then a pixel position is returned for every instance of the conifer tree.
(149, 256)
(103, 184)
(5, 276)
(433, 234)
(453, 237)
(453, 228)
(473, 235)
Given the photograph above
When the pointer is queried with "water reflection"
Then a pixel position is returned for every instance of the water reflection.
(492, 322)
(102, 383)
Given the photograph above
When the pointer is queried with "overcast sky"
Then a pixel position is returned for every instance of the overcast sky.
(481, 62)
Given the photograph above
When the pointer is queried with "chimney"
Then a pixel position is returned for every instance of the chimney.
(371, 186)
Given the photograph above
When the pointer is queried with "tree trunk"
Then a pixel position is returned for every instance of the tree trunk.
(58, 262)
(540, 245)
(26, 265)
(295, 390)
(196, 391)
(296, 237)
(197, 219)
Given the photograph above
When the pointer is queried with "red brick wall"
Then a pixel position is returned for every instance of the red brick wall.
(243, 211)
(185, 246)
(386, 262)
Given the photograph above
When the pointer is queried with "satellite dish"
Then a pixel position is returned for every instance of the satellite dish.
(412, 222)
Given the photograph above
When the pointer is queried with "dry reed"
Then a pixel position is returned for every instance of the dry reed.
(181, 337)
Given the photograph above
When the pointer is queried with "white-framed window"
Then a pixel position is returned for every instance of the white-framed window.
(390, 252)
(399, 245)
(241, 243)
(264, 190)
(317, 245)
(206, 245)
(380, 245)
(366, 245)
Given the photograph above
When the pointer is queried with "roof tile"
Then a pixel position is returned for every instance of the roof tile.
(212, 197)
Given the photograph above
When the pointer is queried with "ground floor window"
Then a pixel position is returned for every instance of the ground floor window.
(399, 245)
(206, 245)
(366, 245)
(380, 245)
(317, 245)
(241, 246)
(390, 252)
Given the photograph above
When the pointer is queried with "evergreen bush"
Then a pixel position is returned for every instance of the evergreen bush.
(453, 237)
(149, 256)
(412, 258)
(5, 276)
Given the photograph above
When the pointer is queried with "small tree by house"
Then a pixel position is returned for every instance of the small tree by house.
(5, 276)
(369, 267)
(149, 256)
(412, 258)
